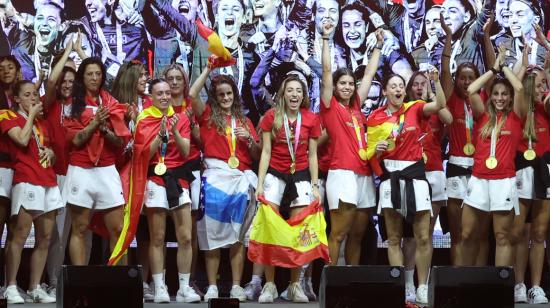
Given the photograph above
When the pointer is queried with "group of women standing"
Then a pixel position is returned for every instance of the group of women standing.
(202, 155)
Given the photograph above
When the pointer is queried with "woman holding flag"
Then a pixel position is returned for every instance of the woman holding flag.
(288, 173)
(394, 134)
(340, 110)
(35, 194)
(230, 144)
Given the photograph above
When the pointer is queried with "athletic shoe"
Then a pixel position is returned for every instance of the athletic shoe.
(193, 284)
(161, 294)
(252, 291)
(212, 292)
(284, 295)
(307, 286)
(422, 294)
(187, 295)
(410, 293)
(148, 292)
(520, 293)
(269, 293)
(296, 294)
(13, 296)
(52, 291)
(237, 292)
(39, 295)
(537, 296)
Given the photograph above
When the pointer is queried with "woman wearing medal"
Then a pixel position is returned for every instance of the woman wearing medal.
(532, 159)
(492, 187)
(35, 194)
(230, 144)
(289, 157)
(340, 110)
(394, 132)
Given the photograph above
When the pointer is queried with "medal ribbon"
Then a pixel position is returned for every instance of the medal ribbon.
(293, 149)
(36, 131)
(230, 135)
(163, 148)
(494, 139)
(468, 122)
(357, 130)
(398, 126)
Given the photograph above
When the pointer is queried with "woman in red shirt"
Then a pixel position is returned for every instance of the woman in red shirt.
(492, 187)
(129, 88)
(35, 194)
(340, 110)
(288, 171)
(230, 144)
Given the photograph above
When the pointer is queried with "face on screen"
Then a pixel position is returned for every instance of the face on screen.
(522, 18)
(265, 7)
(96, 9)
(455, 14)
(354, 28)
(502, 14)
(327, 11)
(413, 6)
(86, 45)
(46, 24)
(229, 17)
(432, 22)
(187, 8)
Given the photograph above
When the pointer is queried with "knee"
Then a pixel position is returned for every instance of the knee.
(422, 240)
(156, 238)
(79, 229)
(502, 238)
(467, 235)
(538, 236)
(184, 240)
(115, 230)
(338, 236)
(43, 242)
(394, 241)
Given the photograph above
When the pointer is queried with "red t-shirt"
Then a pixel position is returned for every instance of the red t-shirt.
(280, 155)
(432, 143)
(344, 144)
(215, 143)
(407, 145)
(5, 150)
(194, 150)
(457, 129)
(506, 147)
(542, 128)
(173, 156)
(323, 153)
(26, 162)
(55, 116)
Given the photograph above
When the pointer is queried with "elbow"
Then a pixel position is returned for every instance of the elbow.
(471, 90)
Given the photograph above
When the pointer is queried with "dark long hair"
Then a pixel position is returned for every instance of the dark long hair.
(217, 118)
(79, 90)
(5, 87)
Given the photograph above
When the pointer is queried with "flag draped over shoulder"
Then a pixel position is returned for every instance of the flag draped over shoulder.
(147, 127)
(6, 114)
(215, 46)
(291, 243)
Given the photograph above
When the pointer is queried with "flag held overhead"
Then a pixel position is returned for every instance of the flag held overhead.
(222, 55)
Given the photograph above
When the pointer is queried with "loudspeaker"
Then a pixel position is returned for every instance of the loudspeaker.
(100, 286)
(362, 286)
(471, 287)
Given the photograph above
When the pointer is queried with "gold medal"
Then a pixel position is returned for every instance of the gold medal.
(529, 154)
(469, 149)
(491, 162)
(425, 157)
(233, 162)
(160, 169)
(391, 145)
(363, 154)
(292, 168)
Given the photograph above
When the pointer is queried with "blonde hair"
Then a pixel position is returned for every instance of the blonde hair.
(178, 67)
(280, 103)
(529, 97)
(126, 81)
(487, 129)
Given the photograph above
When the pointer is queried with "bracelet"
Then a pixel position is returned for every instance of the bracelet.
(446, 56)
(326, 38)
(315, 185)
(495, 72)
(378, 47)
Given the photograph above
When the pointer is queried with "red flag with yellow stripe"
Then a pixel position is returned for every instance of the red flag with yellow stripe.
(7, 114)
(222, 55)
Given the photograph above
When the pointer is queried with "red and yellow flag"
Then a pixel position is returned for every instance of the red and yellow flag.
(147, 127)
(291, 243)
(222, 55)
(6, 114)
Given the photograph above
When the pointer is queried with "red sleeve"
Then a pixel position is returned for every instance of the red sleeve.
(266, 125)
(6, 125)
(316, 128)
(203, 118)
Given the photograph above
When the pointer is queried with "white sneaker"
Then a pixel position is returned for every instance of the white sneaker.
(296, 294)
(148, 292)
(307, 286)
(410, 293)
(269, 293)
(13, 296)
(52, 291)
(284, 294)
(187, 295)
(237, 292)
(537, 296)
(252, 291)
(39, 295)
(422, 294)
(161, 294)
(520, 293)
(212, 292)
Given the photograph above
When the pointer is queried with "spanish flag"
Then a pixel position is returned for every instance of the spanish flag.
(6, 114)
(291, 243)
(222, 55)
(147, 128)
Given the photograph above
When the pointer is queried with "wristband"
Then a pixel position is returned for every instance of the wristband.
(378, 47)
(495, 72)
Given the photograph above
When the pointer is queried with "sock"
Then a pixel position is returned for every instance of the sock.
(158, 279)
(256, 279)
(409, 277)
(184, 280)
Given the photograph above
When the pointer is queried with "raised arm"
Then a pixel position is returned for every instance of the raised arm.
(371, 68)
(55, 74)
(21, 136)
(326, 81)
(490, 55)
(520, 67)
(478, 108)
(519, 107)
(440, 100)
(446, 77)
(194, 92)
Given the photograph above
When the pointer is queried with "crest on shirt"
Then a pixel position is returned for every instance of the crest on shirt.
(151, 194)
(74, 189)
(387, 194)
(31, 196)
(454, 184)
(519, 184)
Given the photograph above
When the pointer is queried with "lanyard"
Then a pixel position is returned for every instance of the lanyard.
(398, 126)
(120, 53)
(357, 129)
(163, 148)
(293, 149)
(230, 135)
(468, 122)
(494, 138)
(36, 131)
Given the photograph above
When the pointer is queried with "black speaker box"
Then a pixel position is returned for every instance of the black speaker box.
(472, 287)
(100, 287)
(362, 286)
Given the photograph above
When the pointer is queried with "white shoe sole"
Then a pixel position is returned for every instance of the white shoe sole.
(182, 299)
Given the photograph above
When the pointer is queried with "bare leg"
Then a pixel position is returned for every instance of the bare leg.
(21, 229)
(182, 224)
(394, 229)
(520, 240)
(236, 254)
(341, 223)
(156, 219)
(502, 225)
(541, 217)
(424, 248)
(113, 221)
(77, 244)
(454, 212)
(212, 260)
(470, 227)
(483, 240)
(43, 227)
(355, 237)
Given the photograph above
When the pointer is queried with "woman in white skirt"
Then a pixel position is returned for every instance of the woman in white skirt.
(35, 194)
